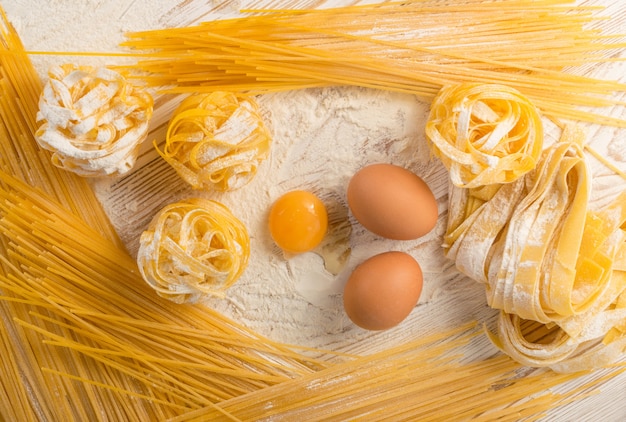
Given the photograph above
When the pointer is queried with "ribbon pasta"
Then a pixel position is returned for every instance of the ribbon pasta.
(216, 141)
(193, 248)
(484, 133)
(554, 268)
(92, 120)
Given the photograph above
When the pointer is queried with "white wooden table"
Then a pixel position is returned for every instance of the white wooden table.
(301, 315)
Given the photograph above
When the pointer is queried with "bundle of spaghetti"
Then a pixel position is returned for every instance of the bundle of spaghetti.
(79, 304)
(413, 46)
(436, 384)
(24, 385)
(545, 256)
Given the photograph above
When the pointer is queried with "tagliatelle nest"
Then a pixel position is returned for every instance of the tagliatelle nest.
(92, 120)
(545, 257)
(193, 248)
(484, 133)
(216, 141)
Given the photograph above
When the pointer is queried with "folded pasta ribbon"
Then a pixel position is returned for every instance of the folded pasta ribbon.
(216, 141)
(554, 267)
(92, 120)
(484, 133)
(596, 336)
(192, 249)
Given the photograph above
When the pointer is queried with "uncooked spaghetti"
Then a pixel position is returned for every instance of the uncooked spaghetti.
(413, 46)
(81, 335)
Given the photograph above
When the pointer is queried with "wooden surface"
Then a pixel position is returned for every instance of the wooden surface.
(284, 307)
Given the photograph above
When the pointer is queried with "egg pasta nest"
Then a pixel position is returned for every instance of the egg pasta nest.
(484, 133)
(83, 338)
(92, 120)
(216, 141)
(532, 240)
(193, 248)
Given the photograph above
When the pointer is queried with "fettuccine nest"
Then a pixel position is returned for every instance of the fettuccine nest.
(554, 268)
(92, 120)
(216, 141)
(484, 133)
(192, 249)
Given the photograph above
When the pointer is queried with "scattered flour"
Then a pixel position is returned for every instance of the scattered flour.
(321, 137)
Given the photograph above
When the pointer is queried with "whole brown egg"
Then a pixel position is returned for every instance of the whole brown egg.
(383, 290)
(392, 202)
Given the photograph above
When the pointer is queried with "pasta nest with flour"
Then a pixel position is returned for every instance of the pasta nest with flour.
(554, 268)
(193, 248)
(484, 133)
(216, 141)
(92, 120)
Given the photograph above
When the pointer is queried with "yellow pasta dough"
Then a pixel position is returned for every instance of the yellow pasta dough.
(193, 248)
(92, 120)
(216, 141)
(484, 133)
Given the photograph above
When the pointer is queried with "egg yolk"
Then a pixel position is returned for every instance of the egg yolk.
(298, 221)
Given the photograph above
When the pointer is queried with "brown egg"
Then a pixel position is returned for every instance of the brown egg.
(392, 202)
(382, 291)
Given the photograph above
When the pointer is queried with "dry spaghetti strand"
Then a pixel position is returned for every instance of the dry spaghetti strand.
(89, 316)
(415, 46)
